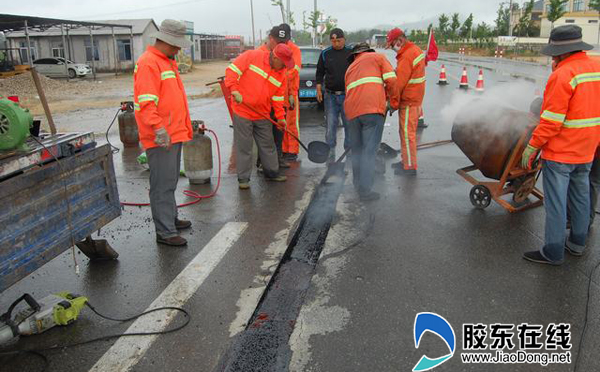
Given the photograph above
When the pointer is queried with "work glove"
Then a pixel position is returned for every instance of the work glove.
(292, 101)
(389, 109)
(529, 155)
(237, 96)
(282, 124)
(162, 137)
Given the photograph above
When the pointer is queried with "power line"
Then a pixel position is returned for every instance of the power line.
(137, 10)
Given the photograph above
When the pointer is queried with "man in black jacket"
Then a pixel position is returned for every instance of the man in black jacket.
(331, 69)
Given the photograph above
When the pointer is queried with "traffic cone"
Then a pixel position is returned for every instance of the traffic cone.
(479, 86)
(464, 81)
(443, 80)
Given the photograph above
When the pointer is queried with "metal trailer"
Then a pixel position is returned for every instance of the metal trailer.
(47, 205)
(514, 180)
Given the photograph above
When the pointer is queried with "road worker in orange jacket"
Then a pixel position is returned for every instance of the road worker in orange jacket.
(568, 136)
(279, 35)
(411, 87)
(256, 81)
(163, 119)
(370, 92)
(291, 147)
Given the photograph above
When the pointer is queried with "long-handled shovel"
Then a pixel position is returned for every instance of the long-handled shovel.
(318, 152)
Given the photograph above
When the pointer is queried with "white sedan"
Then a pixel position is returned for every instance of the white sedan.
(55, 67)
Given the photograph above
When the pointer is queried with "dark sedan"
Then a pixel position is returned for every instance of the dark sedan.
(308, 85)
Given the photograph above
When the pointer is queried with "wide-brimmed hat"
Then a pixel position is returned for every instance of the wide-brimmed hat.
(565, 39)
(174, 33)
(359, 48)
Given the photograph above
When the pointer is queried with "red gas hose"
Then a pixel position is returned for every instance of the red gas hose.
(192, 194)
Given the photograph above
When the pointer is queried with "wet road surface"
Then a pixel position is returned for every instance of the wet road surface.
(421, 248)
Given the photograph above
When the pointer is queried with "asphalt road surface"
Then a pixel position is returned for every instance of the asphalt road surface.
(421, 248)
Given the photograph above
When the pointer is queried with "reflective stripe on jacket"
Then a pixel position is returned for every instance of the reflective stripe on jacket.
(159, 99)
(370, 82)
(260, 86)
(411, 75)
(569, 128)
(293, 74)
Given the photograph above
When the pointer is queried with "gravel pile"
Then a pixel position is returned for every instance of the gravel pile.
(22, 85)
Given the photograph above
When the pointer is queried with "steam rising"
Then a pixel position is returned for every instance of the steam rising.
(515, 95)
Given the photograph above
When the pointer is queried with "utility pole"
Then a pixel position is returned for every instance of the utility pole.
(252, 16)
(289, 13)
(510, 10)
(315, 25)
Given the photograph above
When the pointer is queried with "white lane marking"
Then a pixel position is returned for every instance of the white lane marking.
(127, 351)
(250, 297)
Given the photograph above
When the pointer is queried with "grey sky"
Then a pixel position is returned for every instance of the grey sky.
(233, 16)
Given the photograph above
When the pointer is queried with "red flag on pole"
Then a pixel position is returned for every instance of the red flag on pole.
(432, 49)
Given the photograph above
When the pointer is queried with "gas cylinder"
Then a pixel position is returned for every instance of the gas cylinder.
(128, 130)
(197, 155)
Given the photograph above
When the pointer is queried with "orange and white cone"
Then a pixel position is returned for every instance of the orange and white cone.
(464, 80)
(479, 86)
(443, 80)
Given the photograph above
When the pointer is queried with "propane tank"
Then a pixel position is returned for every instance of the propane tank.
(197, 155)
(128, 130)
(14, 125)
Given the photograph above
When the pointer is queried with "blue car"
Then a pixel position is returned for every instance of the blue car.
(308, 85)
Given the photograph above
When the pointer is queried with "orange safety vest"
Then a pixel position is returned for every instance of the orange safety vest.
(411, 75)
(293, 74)
(159, 99)
(569, 128)
(365, 81)
(260, 86)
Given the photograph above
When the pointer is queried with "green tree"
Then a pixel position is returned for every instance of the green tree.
(556, 9)
(482, 33)
(502, 19)
(442, 29)
(595, 5)
(279, 3)
(523, 27)
(465, 30)
(454, 26)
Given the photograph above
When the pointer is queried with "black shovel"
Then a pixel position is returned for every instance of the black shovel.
(318, 152)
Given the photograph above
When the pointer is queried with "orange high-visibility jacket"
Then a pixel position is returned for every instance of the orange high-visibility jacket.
(569, 128)
(411, 75)
(293, 74)
(261, 87)
(159, 99)
(365, 80)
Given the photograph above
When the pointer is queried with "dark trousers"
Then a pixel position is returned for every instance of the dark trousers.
(364, 137)
(165, 165)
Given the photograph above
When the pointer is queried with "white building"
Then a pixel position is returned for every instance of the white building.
(126, 45)
(578, 13)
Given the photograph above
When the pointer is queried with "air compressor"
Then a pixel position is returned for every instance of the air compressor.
(15, 122)
(197, 155)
